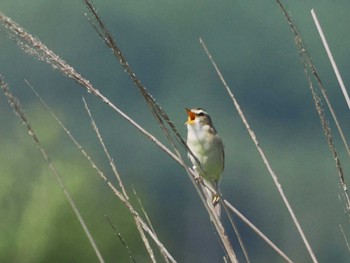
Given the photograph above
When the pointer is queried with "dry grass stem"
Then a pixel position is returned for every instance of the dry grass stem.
(145, 240)
(308, 64)
(143, 210)
(261, 152)
(257, 231)
(345, 238)
(228, 206)
(111, 162)
(15, 104)
(340, 80)
(330, 56)
(148, 219)
(120, 237)
(235, 229)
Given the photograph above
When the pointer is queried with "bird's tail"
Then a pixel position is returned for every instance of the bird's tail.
(213, 199)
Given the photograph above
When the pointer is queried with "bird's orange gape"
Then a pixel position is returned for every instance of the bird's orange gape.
(191, 116)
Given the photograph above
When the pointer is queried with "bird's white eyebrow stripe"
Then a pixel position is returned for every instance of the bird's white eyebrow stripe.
(198, 111)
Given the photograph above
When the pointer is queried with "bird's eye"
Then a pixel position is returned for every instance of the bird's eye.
(201, 114)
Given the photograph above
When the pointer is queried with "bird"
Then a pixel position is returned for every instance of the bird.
(208, 149)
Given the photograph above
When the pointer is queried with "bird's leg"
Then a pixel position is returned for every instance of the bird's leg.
(198, 179)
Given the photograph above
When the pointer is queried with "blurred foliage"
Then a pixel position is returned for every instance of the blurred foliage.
(255, 50)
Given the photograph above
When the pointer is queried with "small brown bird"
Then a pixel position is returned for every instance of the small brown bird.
(206, 145)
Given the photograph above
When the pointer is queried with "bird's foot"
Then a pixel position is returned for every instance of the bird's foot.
(198, 179)
(216, 199)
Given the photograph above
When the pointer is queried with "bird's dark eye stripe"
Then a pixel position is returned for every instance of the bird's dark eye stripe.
(201, 114)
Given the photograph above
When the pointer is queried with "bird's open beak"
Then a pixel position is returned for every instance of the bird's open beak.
(191, 116)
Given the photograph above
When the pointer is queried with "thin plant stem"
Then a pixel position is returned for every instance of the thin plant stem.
(234, 226)
(340, 80)
(257, 231)
(148, 220)
(111, 161)
(261, 152)
(145, 240)
(120, 237)
(330, 56)
(345, 238)
(143, 210)
(15, 104)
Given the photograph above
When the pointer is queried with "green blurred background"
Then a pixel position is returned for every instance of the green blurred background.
(254, 47)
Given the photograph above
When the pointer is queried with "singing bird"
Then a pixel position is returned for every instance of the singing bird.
(206, 145)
